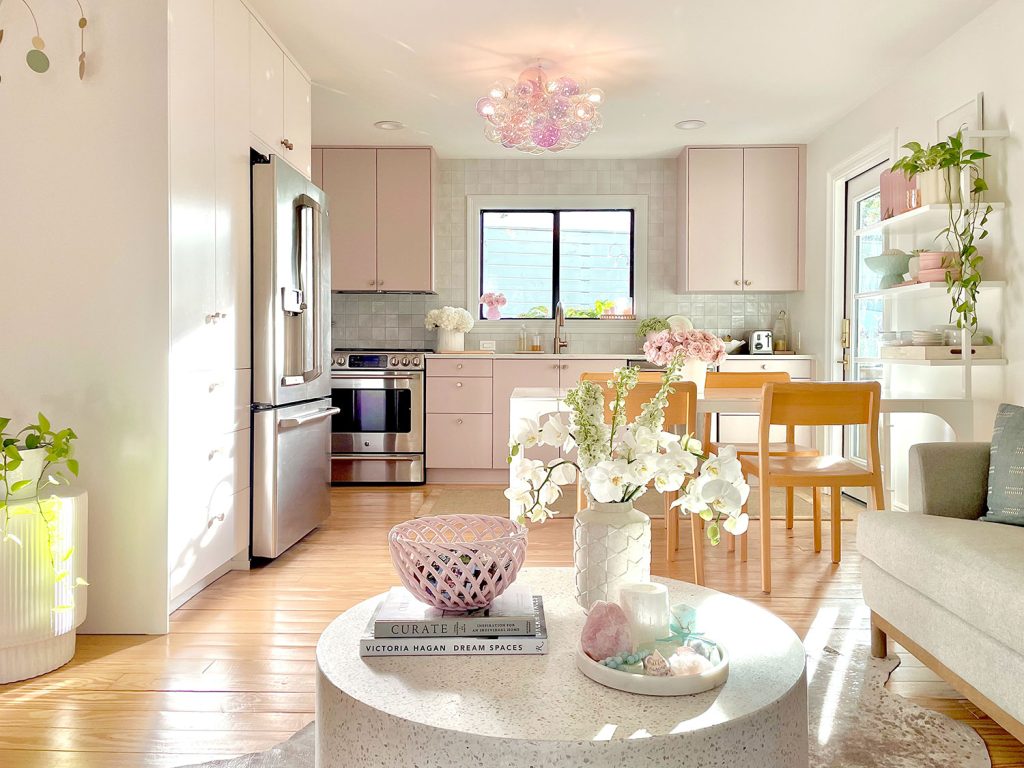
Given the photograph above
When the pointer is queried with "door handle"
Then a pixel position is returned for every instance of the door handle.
(307, 418)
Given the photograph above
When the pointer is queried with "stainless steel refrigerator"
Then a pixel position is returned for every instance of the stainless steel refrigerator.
(291, 357)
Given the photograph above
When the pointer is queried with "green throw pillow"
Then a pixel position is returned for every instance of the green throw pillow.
(1006, 468)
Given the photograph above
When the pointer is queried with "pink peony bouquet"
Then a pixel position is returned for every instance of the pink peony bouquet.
(666, 345)
(494, 302)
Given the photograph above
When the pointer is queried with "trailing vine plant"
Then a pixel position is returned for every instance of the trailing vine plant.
(57, 444)
(966, 219)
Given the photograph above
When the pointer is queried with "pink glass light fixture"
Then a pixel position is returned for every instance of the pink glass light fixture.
(537, 113)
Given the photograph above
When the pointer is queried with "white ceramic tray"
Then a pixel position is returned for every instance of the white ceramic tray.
(654, 686)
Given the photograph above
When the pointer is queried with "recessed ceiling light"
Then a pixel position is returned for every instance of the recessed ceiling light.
(690, 125)
(389, 125)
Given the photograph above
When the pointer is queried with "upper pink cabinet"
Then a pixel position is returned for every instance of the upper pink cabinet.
(742, 218)
(382, 217)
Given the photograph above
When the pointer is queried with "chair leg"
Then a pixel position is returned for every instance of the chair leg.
(671, 528)
(697, 533)
(817, 519)
(877, 495)
(743, 547)
(766, 536)
(837, 524)
(579, 493)
(790, 503)
(730, 544)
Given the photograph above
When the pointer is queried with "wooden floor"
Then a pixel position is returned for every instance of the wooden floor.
(236, 672)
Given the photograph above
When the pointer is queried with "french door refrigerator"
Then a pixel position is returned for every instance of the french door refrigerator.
(291, 360)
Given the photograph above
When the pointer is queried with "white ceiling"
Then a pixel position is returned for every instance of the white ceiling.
(755, 70)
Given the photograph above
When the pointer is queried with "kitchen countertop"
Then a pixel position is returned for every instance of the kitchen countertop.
(590, 356)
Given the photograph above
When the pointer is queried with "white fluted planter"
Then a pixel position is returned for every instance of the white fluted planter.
(696, 371)
(36, 635)
(450, 341)
(611, 547)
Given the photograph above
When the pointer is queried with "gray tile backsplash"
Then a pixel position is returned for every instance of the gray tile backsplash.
(361, 320)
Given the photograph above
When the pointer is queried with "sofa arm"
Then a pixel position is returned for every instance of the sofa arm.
(949, 479)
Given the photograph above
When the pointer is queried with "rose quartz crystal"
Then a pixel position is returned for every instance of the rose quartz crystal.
(686, 661)
(606, 631)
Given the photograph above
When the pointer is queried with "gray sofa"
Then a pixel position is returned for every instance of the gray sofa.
(948, 587)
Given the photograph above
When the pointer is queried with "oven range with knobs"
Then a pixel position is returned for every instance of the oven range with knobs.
(377, 436)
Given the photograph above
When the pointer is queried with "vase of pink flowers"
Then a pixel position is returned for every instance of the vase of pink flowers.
(697, 349)
(494, 302)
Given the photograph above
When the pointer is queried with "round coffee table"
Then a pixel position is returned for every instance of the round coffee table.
(539, 711)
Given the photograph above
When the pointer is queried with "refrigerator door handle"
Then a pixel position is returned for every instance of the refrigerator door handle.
(310, 256)
(306, 418)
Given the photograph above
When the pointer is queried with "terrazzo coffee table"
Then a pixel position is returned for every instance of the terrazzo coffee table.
(540, 711)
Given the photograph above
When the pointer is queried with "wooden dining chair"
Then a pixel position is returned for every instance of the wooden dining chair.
(845, 404)
(680, 417)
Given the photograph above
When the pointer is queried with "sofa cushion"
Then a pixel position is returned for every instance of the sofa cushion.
(973, 570)
(1006, 468)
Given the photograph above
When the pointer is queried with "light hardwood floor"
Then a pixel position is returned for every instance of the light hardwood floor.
(236, 672)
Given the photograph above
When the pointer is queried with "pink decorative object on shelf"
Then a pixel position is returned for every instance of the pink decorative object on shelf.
(494, 302)
(458, 562)
(606, 631)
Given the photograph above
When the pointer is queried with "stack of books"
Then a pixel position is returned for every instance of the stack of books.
(403, 626)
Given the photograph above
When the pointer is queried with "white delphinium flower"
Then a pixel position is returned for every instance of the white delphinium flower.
(586, 423)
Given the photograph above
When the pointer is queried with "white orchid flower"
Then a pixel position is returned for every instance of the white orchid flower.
(530, 471)
(562, 472)
(724, 466)
(527, 433)
(667, 439)
(640, 440)
(642, 468)
(607, 480)
(692, 444)
(520, 494)
(549, 494)
(539, 514)
(667, 480)
(556, 433)
(737, 525)
(676, 459)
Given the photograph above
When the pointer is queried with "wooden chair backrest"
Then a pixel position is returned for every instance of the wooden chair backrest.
(681, 412)
(818, 404)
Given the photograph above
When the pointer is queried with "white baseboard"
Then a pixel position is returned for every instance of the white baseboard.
(234, 564)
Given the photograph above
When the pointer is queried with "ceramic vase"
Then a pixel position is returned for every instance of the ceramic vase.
(450, 341)
(931, 185)
(611, 547)
(696, 371)
(32, 461)
(493, 312)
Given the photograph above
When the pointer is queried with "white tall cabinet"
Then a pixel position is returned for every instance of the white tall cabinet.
(215, 49)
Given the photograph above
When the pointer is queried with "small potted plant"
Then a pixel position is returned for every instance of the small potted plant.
(452, 323)
(494, 302)
(650, 326)
(42, 553)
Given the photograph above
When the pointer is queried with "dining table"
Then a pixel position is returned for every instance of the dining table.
(956, 412)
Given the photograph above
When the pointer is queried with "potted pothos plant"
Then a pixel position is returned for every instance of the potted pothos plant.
(40, 569)
(950, 162)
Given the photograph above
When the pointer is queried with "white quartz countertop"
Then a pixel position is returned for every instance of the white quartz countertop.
(589, 356)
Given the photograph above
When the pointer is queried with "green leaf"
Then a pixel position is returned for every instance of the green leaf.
(32, 441)
(15, 487)
(12, 452)
(4, 421)
(61, 576)
(44, 423)
(73, 466)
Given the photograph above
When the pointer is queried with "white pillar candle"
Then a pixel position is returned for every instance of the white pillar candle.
(647, 608)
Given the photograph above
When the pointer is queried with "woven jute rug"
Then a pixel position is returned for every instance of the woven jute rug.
(854, 722)
(489, 500)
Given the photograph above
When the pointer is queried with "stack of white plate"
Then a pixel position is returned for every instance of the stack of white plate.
(927, 338)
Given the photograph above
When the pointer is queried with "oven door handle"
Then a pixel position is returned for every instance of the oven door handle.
(306, 418)
(371, 374)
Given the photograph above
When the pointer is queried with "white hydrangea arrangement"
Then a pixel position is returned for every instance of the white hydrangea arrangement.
(450, 319)
(619, 461)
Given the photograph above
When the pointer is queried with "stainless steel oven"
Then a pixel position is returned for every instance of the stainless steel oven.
(377, 433)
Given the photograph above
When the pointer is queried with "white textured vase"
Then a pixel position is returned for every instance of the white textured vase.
(37, 634)
(32, 461)
(611, 547)
(450, 341)
(696, 371)
(931, 185)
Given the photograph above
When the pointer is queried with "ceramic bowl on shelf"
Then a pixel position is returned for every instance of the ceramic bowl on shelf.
(458, 562)
(732, 345)
(891, 265)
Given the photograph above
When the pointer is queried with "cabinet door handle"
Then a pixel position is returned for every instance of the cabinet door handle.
(373, 282)
(213, 454)
(287, 144)
(736, 282)
(764, 366)
(214, 385)
(459, 366)
(215, 519)
(747, 282)
(380, 283)
(565, 367)
(458, 421)
(212, 318)
(458, 384)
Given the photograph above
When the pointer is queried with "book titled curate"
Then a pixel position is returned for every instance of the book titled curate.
(512, 645)
(402, 615)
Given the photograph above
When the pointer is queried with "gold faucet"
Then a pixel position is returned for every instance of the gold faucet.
(559, 343)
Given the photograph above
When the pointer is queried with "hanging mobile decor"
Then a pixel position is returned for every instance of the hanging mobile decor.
(81, 26)
(37, 60)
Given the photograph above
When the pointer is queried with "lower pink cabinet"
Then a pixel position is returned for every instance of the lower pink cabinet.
(458, 441)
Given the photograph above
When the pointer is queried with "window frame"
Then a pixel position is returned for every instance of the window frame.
(475, 204)
(556, 249)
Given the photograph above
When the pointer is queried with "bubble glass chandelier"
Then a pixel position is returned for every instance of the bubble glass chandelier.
(538, 114)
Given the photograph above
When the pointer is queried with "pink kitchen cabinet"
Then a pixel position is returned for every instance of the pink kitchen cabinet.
(713, 220)
(772, 224)
(350, 181)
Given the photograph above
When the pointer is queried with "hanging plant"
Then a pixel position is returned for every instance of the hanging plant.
(966, 218)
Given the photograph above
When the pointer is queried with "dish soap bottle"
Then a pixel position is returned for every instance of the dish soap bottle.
(524, 341)
(780, 332)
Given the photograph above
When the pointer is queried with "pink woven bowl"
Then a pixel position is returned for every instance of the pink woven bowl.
(458, 562)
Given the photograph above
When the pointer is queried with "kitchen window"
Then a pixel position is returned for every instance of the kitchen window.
(585, 258)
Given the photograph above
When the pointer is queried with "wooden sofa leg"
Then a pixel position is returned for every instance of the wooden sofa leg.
(879, 640)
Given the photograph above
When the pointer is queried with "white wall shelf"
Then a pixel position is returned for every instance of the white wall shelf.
(931, 363)
(918, 289)
(925, 220)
